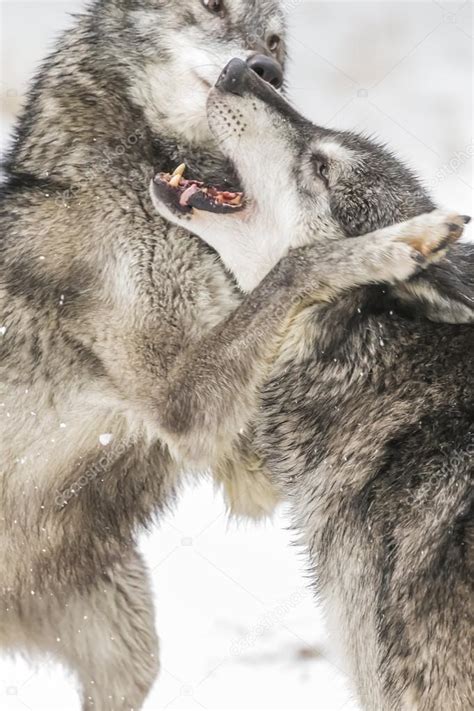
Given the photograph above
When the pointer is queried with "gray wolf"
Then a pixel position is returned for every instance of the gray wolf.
(104, 310)
(366, 421)
(118, 330)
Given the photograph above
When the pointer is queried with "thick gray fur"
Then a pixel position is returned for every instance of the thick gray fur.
(367, 420)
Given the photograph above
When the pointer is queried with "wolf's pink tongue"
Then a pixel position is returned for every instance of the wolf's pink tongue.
(184, 198)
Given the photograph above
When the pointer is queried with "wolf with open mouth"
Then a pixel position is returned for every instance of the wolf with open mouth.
(366, 421)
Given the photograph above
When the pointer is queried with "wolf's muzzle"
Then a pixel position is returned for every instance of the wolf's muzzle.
(239, 79)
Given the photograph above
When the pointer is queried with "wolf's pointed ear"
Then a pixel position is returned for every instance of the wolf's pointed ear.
(445, 291)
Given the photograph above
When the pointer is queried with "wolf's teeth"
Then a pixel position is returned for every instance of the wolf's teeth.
(175, 180)
(180, 170)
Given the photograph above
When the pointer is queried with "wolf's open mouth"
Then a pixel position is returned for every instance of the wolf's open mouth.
(183, 195)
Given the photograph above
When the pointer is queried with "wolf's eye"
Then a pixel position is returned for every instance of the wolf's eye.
(214, 6)
(321, 168)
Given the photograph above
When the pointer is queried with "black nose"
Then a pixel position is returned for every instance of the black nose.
(267, 69)
(236, 77)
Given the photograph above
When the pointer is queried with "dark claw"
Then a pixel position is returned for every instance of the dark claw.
(443, 245)
(420, 258)
(454, 229)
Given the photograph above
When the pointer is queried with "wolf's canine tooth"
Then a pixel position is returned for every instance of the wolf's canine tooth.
(179, 170)
(175, 180)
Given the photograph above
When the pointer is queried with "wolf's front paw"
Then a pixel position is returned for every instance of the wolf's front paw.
(431, 234)
(417, 243)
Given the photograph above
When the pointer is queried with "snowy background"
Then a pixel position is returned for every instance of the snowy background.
(238, 628)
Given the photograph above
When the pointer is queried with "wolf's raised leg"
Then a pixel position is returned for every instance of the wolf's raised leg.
(207, 392)
(106, 635)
